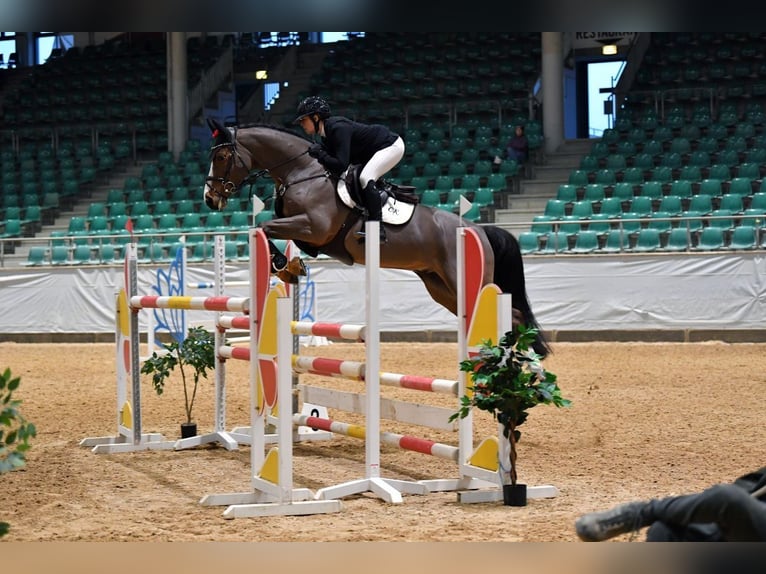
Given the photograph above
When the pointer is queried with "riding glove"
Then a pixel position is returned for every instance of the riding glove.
(317, 151)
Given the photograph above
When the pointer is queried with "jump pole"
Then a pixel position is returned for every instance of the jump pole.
(228, 440)
(130, 437)
(388, 489)
(271, 476)
(472, 478)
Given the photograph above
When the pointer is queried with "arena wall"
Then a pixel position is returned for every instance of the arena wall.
(655, 297)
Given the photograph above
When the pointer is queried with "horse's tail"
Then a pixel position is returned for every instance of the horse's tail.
(509, 276)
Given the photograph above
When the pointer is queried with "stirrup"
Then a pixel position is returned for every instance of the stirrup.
(361, 235)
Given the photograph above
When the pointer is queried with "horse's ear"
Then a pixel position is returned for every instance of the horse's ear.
(221, 134)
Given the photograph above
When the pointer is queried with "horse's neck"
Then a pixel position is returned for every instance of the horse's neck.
(280, 153)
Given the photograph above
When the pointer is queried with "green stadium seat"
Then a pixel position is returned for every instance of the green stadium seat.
(744, 237)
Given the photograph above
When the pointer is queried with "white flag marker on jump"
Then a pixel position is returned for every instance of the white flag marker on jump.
(258, 205)
(465, 205)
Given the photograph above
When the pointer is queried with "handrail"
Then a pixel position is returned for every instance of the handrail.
(759, 222)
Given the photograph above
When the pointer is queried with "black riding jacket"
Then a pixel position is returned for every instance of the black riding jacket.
(348, 142)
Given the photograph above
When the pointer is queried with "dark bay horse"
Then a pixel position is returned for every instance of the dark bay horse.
(310, 212)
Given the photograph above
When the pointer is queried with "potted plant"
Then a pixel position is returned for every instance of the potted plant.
(508, 379)
(197, 353)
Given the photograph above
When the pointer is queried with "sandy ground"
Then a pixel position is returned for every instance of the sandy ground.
(647, 420)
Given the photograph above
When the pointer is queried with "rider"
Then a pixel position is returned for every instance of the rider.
(346, 142)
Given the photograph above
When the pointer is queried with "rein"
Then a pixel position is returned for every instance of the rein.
(230, 187)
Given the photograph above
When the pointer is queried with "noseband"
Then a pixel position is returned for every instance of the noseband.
(228, 187)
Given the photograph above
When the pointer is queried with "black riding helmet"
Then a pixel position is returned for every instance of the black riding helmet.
(313, 105)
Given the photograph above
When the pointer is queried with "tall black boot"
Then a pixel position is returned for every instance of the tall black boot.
(374, 210)
(278, 259)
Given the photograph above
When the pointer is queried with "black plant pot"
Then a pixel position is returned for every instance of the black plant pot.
(188, 430)
(515, 494)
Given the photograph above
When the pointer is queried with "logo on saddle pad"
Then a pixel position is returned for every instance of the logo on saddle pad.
(394, 212)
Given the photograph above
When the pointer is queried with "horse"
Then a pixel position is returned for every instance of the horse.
(310, 212)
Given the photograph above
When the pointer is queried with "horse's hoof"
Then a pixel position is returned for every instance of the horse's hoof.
(286, 277)
(296, 266)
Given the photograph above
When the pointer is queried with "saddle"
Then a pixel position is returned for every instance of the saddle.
(398, 201)
(386, 189)
(398, 204)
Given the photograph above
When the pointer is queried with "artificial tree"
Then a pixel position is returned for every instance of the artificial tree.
(196, 352)
(508, 379)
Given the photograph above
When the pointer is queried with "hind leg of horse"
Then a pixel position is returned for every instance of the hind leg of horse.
(443, 294)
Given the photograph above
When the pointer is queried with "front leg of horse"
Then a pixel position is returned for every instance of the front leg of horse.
(296, 227)
(287, 270)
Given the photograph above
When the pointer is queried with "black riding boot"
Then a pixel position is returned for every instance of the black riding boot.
(278, 259)
(374, 210)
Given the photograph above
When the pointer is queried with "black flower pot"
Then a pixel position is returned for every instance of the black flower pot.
(188, 430)
(515, 494)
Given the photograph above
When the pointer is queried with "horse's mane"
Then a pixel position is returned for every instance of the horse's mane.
(276, 128)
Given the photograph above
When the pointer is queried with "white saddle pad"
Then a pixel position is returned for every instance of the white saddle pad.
(394, 212)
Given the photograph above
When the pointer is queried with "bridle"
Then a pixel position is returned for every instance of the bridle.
(228, 187)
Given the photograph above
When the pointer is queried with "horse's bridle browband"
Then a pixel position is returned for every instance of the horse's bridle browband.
(230, 188)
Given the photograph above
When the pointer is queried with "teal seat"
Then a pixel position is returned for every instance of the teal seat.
(701, 204)
(678, 239)
(758, 201)
(541, 224)
(582, 209)
(611, 206)
(629, 222)
(744, 237)
(661, 221)
(578, 177)
(740, 186)
(681, 188)
(606, 176)
(732, 202)
(624, 191)
(615, 242)
(634, 175)
(586, 242)
(59, 255)
(555, 242)
(528, 242)
(600, 224)
(484, 197)
(690, 173)
(202, 251)
(722, 219)
(82, 255)
(648, 240)
(750, 170)
(641, 205)
(430, 197)
(36, 256)
(710, 239)
(710, 187)
(567, 193)
(651, 189)
(107, 254)
(473, 214)
(594, 192)
(555, 208)
(671, 204)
